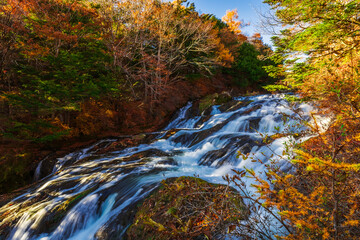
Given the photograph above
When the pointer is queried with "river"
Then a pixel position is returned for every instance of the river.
(94, 196)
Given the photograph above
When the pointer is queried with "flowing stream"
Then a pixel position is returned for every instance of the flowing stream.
(92, 196)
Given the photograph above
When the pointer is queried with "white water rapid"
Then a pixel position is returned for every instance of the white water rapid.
(92, 197)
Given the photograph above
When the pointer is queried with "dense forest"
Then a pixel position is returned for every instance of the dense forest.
(74, 68)
(67, 65)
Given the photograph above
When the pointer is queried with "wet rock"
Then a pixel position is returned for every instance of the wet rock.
(212, 156)
(192, 138)
(123, 142)
(178, 152)
(116, 226)
(253, 124)
(111, 231)
(47, 166)
(191, 112)
(257, 107)
(168, 161)
(184, 138)
(246, 148)
(101, 145)
(170, 133)
(207, 112)
(136, 160)
(202, 120)
(233, 105)
(146, 154)
(228, 154)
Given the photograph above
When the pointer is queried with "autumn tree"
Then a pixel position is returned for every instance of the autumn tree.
(320, 199)
(11, 24)
(231, 19)
(162, 42)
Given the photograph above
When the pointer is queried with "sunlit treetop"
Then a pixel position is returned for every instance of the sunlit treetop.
(231, 19)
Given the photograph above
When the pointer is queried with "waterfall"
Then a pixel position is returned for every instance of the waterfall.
(38, 171)
(93, 198)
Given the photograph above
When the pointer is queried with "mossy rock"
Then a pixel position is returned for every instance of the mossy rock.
(56, 215)
(214, 99)
(188, 208)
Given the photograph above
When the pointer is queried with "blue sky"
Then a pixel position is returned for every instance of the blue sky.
(248, 12)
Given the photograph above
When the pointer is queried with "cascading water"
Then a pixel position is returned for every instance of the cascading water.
(94, 198)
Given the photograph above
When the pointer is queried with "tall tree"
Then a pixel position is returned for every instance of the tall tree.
(162, 42)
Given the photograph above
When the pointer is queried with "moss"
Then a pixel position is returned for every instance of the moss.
(60, 212)
(74, 199)
(207, 102)
(276, 88)
(223, 98)
(292, 98)
(187, 208)
(213, 99)
(139, 137)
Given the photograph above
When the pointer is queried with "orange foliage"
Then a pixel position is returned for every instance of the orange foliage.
(94, 117)
(230, 19)
(48, 28)
(231, 42)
